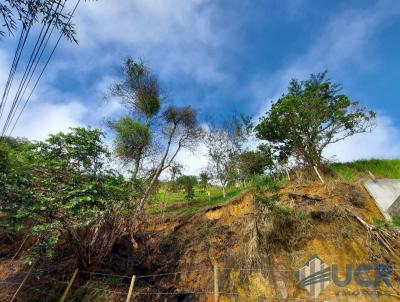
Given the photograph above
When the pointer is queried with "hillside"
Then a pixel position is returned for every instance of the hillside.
(257, 255)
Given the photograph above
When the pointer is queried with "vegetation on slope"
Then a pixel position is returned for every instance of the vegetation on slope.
(385, 168)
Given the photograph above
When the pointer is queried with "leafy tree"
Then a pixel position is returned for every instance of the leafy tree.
(132, 141)
(72, 195)
(225, 144)
(139, 92)
(309, 117)
(188, 183)
(29, 12)
(204, 180)
(253, 163)
(175, 170)
(174, 127)
(14, 177)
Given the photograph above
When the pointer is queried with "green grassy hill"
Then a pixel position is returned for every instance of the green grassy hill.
(385, 168)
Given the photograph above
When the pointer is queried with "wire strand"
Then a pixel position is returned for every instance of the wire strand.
(44, 68)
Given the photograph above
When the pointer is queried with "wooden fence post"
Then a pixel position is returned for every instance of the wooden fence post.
(22, 283)
(216, 289)
(319, 175)
(64, 296)
(128, 299)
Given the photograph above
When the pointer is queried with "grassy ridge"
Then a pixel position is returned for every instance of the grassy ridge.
(176, 204)
(387, 168)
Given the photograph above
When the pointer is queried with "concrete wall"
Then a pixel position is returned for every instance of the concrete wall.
(394, 209)
(384, 192)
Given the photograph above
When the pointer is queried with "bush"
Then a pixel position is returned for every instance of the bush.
(188, 183)
(265, 191)
(69, 193)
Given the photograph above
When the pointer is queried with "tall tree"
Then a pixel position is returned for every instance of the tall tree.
(309, 117)
(225, 143)
(180, 131)
(175, 128)
(138, 91)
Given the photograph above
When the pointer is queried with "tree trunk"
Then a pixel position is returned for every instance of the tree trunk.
(156, 174)
(135, 169)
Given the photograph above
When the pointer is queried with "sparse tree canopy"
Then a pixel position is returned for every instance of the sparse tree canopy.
(225, 144)
(152, 129)
(309, 117)
(132, 141)
(138, 90)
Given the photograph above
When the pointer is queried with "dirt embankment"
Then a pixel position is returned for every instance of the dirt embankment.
(257, 253)
(258, 260)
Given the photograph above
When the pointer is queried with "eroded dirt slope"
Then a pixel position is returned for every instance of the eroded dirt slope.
(256, 259)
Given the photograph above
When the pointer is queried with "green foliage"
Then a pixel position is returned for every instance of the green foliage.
(396, 220)
(388, 168)
(188, 183)
(66, 188)
(132, 138)
(383, 223)
(254, 162)
(15, 180)
(266, 191)
(204, 180)
(138, 90)
(310, 116)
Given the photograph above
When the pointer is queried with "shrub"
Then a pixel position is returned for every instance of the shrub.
(188, 183)
(70, 194)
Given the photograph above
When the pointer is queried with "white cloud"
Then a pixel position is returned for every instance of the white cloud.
(193, 162)
(44, 118)
(384, 142)
(343, 45)
(177, 37)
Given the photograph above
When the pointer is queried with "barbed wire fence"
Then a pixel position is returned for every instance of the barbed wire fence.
(67, 282)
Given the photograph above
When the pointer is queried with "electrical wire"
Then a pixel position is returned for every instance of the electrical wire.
(44, 68)
(28, 70)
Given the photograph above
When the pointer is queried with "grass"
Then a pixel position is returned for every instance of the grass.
(386, 168)
(177, 205)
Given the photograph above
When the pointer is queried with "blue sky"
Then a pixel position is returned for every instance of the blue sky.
(224, 55)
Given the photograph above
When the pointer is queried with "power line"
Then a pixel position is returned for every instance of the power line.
(21, 43)
(27, 73)
(19, 95)
(44, 68)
